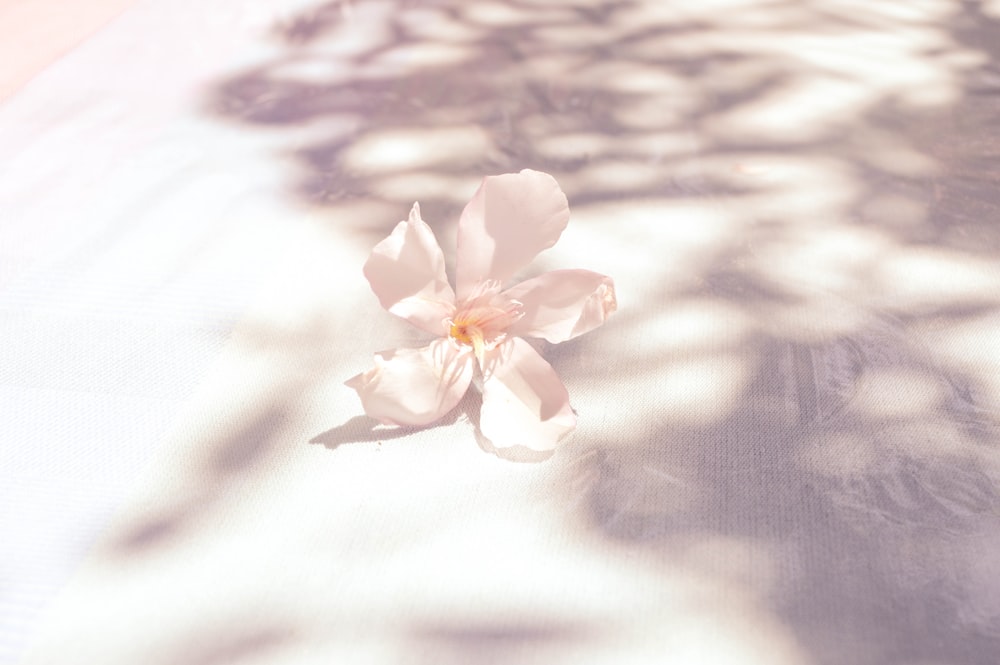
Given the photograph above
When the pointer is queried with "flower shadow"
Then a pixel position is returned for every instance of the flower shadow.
(365, 429)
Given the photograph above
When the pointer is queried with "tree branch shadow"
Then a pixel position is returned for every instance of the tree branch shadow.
(775, 469)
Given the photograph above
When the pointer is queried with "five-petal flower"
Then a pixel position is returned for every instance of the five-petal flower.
(478, 325)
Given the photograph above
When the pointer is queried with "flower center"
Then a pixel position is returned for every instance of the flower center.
(481, 321)
(482, 327)
(465, 332)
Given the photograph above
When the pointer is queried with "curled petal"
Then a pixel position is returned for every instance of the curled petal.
(524, 402)
(510, 219)
(406, 272)
(562, 304)
(415, 386)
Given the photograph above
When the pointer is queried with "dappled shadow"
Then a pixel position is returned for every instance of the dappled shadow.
(510, 642)
(237, 450)
(230, 462)
(236, 645)
(799, 203)
(868, 480)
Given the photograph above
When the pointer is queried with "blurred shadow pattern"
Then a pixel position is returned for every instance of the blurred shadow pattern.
(799, 200)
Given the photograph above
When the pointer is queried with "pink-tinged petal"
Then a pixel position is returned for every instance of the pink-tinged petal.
(524, 402)
(510, 219)
(415, 386)
(406, 272)
(562, 304)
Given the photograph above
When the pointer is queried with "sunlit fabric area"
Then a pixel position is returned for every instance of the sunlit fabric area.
(787, 441)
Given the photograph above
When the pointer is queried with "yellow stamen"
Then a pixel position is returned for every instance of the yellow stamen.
(469, 334)
(461, 332)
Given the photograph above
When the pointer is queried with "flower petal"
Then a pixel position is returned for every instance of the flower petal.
(562, 304)
(509, 220)
(406, 272)
(415, 386)
(524, 402)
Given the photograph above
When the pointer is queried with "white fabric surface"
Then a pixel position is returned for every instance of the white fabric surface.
(787, 450)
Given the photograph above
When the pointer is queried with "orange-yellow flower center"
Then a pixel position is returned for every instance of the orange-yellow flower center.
(461, 332)
(481, 321)
(471, 333)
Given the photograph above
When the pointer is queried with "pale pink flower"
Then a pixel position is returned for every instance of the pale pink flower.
(510, 219)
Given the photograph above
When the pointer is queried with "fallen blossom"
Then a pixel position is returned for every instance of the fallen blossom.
(478, 325)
